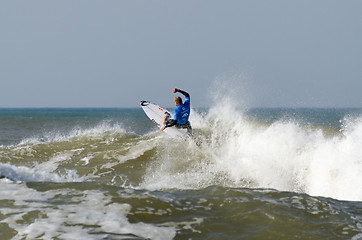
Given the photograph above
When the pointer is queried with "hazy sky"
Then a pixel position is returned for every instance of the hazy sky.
(68, 53)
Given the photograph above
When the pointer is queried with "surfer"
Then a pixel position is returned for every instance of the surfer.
(181, 113)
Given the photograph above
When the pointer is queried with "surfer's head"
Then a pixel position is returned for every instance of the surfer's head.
(178, 101)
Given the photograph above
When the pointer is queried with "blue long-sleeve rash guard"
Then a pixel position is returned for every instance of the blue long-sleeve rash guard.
(182, 112)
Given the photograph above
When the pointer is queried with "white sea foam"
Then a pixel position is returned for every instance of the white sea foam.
(285, 155)
(25, 174)
(79, 218)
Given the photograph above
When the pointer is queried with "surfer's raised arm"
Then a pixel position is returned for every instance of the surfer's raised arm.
(175, 90)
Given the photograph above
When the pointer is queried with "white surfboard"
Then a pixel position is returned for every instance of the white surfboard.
(156, 114)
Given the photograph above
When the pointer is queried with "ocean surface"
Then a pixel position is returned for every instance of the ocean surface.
(247, 174)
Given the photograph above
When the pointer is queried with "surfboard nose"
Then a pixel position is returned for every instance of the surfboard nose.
(144, 103)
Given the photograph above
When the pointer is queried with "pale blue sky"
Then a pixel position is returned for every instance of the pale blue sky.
(280, 53)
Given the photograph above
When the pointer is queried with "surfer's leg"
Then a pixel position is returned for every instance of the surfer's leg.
(166, 118)
(169, 122)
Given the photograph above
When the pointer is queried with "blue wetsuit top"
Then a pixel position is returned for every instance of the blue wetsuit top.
(182, 112)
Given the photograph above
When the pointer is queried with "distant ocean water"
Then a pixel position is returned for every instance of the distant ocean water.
(248, 174)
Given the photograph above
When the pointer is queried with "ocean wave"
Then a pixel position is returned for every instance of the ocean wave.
(25, 174)
(100, 130)
(64, 214)
(235, 151)
(92, 154)
(229, 149)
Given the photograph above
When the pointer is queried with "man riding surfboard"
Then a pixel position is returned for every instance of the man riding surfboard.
(181, 113)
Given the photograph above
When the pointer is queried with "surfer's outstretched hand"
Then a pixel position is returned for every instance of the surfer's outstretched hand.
(163, 128)
(175, 90)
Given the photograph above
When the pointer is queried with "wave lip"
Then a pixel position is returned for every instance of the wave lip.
(25, 174)
(103, 128)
